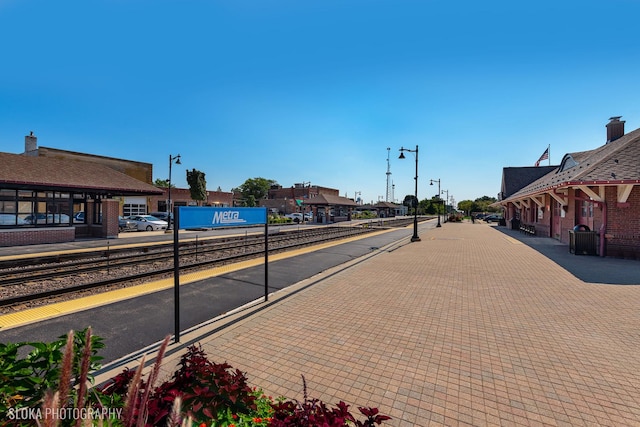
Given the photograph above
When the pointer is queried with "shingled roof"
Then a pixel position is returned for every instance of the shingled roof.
(516, 178)
(329, 200)
(615, 163)
(30, 172)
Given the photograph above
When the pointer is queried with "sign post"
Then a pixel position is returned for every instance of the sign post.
(186, 217)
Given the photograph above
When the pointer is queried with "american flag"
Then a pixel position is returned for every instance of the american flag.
(544, 156)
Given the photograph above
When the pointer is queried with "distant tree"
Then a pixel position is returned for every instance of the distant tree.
(410, 201)
(437, 204)
(466, 206)
(254, 189)
(162, 183)
(197, 185)
(481, 204)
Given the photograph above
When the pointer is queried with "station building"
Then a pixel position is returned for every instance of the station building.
(593, 194)
(325, 204)
(52, 196)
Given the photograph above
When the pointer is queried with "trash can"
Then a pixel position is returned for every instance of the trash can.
(583, 242)
(515, 224)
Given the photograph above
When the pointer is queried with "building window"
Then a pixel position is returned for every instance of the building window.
(134, 209)
(28, 208)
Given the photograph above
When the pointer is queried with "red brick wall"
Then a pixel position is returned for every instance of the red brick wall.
(36, 236)
(623, 225)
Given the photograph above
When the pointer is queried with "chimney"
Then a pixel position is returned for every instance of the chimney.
(615, 128)
(31, 144)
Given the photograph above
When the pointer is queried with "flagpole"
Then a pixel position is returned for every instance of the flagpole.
(549, 151)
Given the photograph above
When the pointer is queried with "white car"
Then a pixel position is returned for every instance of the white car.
(296, 217)
(10, 219)
(148, 223)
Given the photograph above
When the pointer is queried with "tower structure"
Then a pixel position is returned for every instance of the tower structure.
(389, 196)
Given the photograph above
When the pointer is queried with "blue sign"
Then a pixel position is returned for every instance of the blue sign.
(204, 217)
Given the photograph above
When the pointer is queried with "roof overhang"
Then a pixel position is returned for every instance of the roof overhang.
(560, 192)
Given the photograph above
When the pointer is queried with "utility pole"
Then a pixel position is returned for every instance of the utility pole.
(389, 197)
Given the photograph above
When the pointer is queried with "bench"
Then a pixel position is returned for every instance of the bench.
(528, 229)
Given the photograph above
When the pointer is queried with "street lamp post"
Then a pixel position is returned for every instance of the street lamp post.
(415, 237)
(438, 181)
(308, 196)
(172, 159)
(444, 202)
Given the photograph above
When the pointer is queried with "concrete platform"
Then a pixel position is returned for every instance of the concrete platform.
(473, 325)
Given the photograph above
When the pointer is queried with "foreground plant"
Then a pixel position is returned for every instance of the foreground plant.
(200, 393)
(313, 412)
(24, 379)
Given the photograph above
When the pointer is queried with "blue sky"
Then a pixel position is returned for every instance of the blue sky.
(316, 91)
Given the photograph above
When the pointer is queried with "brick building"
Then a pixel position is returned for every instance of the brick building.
(596, 190)
(325, 204)
(41, 197)
(182, 197)
(293, 199)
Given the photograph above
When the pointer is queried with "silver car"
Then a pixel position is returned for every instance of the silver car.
(148, 223)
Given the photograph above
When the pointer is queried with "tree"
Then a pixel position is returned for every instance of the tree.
(197, 185)
(410, 201)
(481, 204)
(162, 183)
(254, 189)
(466, 206)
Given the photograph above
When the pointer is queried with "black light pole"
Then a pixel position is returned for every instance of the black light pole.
(170, 206)
(308, 196)
(444, 207)
(438, 181)
(415, 237)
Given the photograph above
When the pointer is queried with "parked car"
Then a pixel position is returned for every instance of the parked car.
(41, 218)
(125, 224)
(296, 217)
(308, 216)
(148, 223)
(78, 217)
(10, 219)
(492, 218)
(162, 215)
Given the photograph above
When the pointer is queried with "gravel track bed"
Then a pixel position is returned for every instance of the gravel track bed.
(60, 283)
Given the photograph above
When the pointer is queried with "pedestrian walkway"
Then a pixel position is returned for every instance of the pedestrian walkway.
(469, 326)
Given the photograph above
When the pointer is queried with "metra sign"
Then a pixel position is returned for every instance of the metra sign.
(204, 217)
(227, 217)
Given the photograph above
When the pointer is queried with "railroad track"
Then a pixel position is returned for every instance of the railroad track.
(40, 280)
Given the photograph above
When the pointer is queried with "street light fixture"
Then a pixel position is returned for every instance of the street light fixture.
(303, 197)
(172, 159)
(415, 237)
(445, 209)
(438, 181)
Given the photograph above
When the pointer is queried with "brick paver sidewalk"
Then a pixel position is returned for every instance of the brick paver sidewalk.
(466, 327)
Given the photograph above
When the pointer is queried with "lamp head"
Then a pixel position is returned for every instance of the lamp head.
(401, 155)
(431, 183)
(178, 162)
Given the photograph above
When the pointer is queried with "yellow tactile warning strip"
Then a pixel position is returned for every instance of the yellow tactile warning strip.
(38, 314)
(512, 240)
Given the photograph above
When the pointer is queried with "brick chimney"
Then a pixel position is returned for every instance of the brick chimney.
(615, 128)
(31, 144)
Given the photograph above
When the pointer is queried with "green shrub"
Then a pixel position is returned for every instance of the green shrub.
(25, 379)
